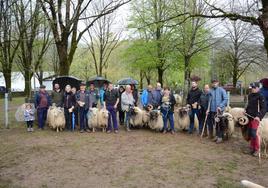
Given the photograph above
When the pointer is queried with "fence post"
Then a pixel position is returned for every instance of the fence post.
(228, 96)
(6, 110)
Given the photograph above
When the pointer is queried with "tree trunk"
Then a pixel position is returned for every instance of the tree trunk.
(141, 80)
(28, 87)
(7, 76)
(263, 23)
(160, 72)
(187, 75)
(64, 64)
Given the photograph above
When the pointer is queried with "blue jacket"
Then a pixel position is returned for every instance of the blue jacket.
(37, 99)
(101, 96)
(218, 98)
(264, 92)
(157, 96)
(146, 97)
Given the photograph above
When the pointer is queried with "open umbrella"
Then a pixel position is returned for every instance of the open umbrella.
(127, 81)
(98, 81)
(67, 80)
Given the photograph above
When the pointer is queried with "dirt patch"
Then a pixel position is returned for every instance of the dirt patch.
(141, 158)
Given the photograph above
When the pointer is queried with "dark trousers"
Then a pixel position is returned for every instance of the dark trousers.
(83, 118)
(75, 116)
(211, 122)
(42, 116)
(202, 117)
(121, 116)
(112, 116)
(192, 115)
(29, 124)
(168, 116)
(68, 119)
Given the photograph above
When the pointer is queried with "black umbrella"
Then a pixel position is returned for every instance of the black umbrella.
(127, 81)
(67, 80)
(98, 81)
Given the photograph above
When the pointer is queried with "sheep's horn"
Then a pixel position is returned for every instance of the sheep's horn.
(243, 120)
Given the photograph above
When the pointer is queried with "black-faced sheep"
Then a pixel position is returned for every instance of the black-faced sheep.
(136, 117)
(226, 122)
(181, 118)
(155, 120)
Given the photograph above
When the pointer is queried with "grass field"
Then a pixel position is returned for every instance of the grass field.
(141, 158)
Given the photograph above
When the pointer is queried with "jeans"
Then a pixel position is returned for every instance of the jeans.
(127, 119)
(112, 116)
(211, 122)
(121, 116)
(168, 115)
(42, 116)
(192, 115)
(83, 118)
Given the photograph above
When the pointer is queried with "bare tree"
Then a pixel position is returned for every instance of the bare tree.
(8, 43)
(64, 24)
(102, 38)
(242, 51)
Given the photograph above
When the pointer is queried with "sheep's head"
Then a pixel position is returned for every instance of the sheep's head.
(183, 112)
(104, 113)
(154, 114)
(228, 116)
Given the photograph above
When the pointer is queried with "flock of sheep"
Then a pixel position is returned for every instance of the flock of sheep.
(98, 119)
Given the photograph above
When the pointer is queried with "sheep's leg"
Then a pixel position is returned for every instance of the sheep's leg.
(103, 130)
(57, 129)
(93, 129)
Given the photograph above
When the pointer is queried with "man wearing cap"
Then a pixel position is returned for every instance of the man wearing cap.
(255, 111)
(264, 91)
(82, 99)
(110, 102)
(193, 98)
(42, 102)
(218, 101)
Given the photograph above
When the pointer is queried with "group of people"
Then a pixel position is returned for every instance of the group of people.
(205, 104)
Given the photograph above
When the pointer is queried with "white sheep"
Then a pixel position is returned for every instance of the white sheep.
(103, 116)
(136, 118)
(181, 118)
(156, 120)
(92, 118)
(55, 118)
(178, 99)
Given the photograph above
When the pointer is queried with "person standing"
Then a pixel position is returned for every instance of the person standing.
(93, 96)
(127, 102)
(57, 95)
(204, 103)
(119, 107)
(82, 99)
(255, 111)
(135, 94)
(264, 91)
(147, 97)
(75, 111)
(29, 116)
(68, 105)
(157, 95)
(167, 109)
(42, 102)
(110, 102)
(218, 101)
(193, 98)
(102, 91)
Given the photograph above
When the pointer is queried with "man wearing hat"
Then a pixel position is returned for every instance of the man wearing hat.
(42, 102)
(255, 111)
(264, 91)
(82, 99)
(218, 101)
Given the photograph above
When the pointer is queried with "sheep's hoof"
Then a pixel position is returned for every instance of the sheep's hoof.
(57, 129)
(93, 130)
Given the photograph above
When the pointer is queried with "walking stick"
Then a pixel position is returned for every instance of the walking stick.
(204, 125)
(73, 121)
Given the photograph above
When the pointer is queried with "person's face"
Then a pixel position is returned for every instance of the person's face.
(128, 89)
(28, 107)
(82, 88)
(215, 84)
(74, 90)
(42, 89)
(91, 86)
(121, 89)
(206, 88)
(194, 84)
(104, 86)
(255, 90)
(150, 88)
(56, 86)
(68, 89)
(110, 86)
(166, 92)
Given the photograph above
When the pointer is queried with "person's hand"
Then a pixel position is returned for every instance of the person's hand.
(115, 106)
(207, 112)
(218, 109)
(257, 119)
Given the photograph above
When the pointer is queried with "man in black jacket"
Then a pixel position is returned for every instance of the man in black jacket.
(193, 98)
(255, 111)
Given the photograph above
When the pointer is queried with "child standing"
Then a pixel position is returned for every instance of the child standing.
(29, 116)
